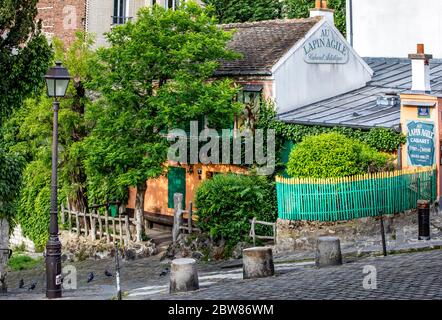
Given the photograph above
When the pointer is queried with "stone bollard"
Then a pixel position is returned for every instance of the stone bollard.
(257, 263)
(328, 252)
(183, 275)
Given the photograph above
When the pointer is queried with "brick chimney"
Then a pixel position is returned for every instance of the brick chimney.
(322, 10)
(420, 69)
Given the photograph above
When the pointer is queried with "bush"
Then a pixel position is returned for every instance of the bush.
(334, 155)
(227, 202)
(22, 262)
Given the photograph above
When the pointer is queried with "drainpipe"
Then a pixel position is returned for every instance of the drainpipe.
(350, 27)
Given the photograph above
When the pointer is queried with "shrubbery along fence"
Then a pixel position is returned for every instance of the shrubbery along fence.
(335, 199)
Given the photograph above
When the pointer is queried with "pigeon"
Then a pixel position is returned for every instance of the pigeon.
(90, 277)
(107, 273)
(32, 286)
(21, 284)
(164, 272)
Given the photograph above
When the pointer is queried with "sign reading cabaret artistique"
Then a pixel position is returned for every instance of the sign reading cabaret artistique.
(420, 143)
(325, 46)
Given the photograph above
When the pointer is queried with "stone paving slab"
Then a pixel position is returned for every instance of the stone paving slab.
(399, 277)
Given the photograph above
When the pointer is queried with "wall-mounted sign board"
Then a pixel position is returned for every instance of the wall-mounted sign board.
(423, 112)
(325, 46)
(420, 143)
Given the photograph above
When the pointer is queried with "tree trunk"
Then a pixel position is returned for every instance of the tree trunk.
(77, 176)
(139, 209)
(4, 252)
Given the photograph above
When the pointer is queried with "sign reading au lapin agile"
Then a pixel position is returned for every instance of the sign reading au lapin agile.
(325, 46)
(420, 141)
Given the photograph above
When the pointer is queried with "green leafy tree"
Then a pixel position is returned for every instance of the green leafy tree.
(334, 155)
(24, 57)
(28, 132)
(300, 9)
(231, 11)
(153, 76)
(24, 53)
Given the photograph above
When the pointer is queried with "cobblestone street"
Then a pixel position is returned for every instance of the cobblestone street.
(401, 276)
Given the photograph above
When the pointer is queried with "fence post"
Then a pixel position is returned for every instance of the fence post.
(126, 222)
(274, 233)
(252, 231)
(85, 225)
(62, 215)
(77, 222)
(69, 215)
(189, 220)
(120, 227)
(177, 216)
(100, 224)
(93, 226)
(114, 231)
(106, 222)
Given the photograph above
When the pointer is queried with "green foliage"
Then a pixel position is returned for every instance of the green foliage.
(24, 54)
(153, 76)
(34, 204)
(381, 139)
(23, 262)
(24, 57)
(334, 155)
(227, 202)
(231, 11)
(300, 9)
(28, 132)
(10, 172)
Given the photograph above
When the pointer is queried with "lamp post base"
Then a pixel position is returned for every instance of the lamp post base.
(53, 268)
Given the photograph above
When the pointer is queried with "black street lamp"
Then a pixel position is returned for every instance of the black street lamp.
(57, 81)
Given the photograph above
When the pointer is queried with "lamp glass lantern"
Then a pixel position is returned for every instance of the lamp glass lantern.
(57, 80)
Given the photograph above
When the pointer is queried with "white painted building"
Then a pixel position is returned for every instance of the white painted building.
(295, 62)
(391, 28)
(300, 80)
(101, 15)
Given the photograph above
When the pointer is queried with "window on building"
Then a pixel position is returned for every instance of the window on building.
(171, 4)
(250, 96)
(120, 14)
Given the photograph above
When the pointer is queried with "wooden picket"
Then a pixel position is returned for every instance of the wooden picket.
(347, 198)
(86, 224)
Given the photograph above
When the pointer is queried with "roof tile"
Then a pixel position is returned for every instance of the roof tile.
(262, 44)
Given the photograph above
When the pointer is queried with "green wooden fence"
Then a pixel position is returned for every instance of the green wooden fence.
(335, 199)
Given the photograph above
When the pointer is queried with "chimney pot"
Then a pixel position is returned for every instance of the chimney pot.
(420, 69)
(322, 10)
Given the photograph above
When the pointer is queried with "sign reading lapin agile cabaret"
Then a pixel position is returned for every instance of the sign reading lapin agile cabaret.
(325, 46)
(420, 143)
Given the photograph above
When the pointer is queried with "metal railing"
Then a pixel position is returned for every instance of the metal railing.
(117, 20)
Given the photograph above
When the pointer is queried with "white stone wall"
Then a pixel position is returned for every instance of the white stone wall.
(17, 239)
(99, 19)
(392, 28)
